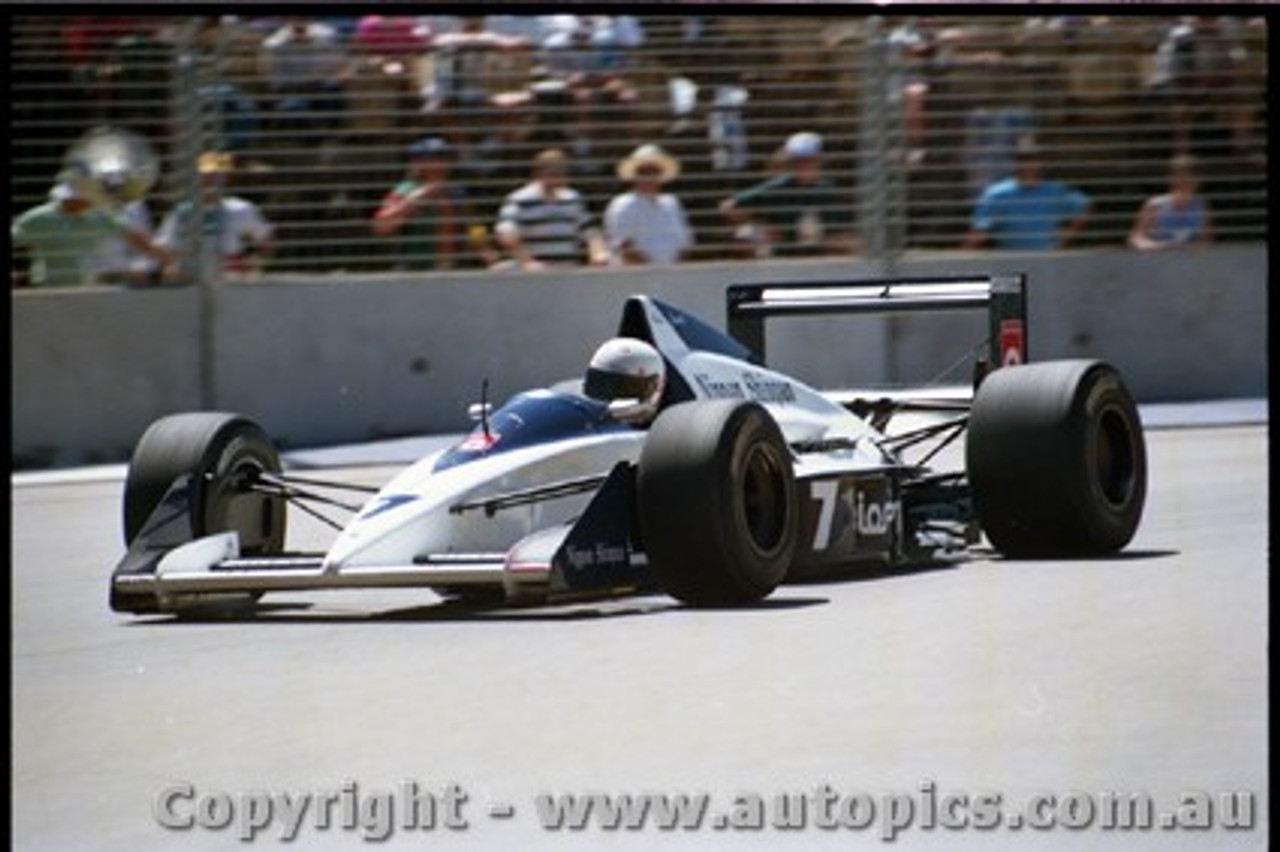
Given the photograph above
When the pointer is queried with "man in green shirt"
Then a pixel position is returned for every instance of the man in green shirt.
(426, 210)
(62, 237)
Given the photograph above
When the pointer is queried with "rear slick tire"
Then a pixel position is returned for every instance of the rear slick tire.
(1056, 460)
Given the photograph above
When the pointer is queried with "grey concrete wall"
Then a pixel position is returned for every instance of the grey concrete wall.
(92, 368)
(1179, 325)
(333, 359)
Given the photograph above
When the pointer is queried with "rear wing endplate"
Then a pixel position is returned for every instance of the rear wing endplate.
(1003, 296)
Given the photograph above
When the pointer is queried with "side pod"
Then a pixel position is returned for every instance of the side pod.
(599, 552)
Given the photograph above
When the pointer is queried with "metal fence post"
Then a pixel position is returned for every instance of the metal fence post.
(894, 165)
(871, 143)
(194, 265)
(882, 190)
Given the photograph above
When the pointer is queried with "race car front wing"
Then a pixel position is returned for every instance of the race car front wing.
(167, 569)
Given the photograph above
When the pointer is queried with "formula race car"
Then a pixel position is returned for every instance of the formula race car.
(680, 463)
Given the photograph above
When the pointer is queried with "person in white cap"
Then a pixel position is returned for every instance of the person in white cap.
(798, 212)
(646, 224)
(62, 238)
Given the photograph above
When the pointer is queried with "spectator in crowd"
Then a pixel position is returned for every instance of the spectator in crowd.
(119, 262)
(797, 212)
(390, 35)
(583, 92)
(1199, 69)
(461, 67)
(914, 42)
(305, 67)
(63, 237)
(88, 59)
(226, 48)
(476, 95)
(233, 228)
(426, 210)
(1174, 79)
(588, 50)
(383, 76)
(545, 222)
(1178, 217)
(647, 225)
(382, 87)
(1026, 212)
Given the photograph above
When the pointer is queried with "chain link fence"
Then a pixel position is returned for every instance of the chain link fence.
(917, 116)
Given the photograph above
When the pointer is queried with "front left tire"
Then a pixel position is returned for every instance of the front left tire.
(717, 503)
(223, 454)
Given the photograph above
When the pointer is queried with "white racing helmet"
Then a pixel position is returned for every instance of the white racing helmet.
(627, 369)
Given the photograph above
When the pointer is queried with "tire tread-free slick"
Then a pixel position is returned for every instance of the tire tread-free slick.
(1056, 460)
(717, 502)
(214, 448)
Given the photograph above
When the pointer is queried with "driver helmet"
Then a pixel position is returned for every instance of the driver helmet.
(626, 368)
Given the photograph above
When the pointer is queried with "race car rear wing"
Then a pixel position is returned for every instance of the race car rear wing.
(1003, 296)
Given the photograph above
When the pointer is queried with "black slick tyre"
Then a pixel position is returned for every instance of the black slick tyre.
(223, 453)
(716, 502)
(1056, 460)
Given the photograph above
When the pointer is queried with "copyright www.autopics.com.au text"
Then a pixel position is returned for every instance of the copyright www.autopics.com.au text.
(376, 814)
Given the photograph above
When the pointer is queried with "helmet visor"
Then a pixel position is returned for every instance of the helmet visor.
(605, 385)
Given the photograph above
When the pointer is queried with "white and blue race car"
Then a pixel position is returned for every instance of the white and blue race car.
(745, 477)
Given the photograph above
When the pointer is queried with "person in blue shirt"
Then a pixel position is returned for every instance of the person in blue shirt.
(1179, 217)
(1024, 212)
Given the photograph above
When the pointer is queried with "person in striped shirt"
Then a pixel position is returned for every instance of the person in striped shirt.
(546, 222)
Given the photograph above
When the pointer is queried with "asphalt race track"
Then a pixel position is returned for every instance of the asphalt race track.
(1145, 673)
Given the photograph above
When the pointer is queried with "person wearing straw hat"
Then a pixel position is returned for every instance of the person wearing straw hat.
(647, 225)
